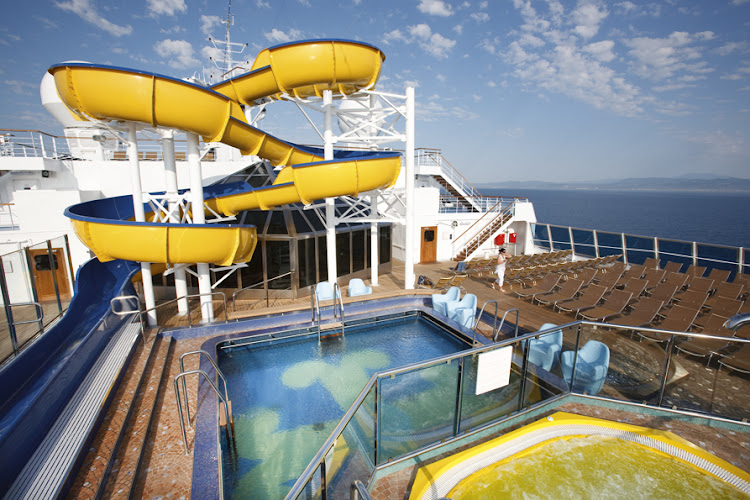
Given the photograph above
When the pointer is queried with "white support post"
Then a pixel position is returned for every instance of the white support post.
(140, 216)
(170, 181)
(330, 202)
(409, 153)
(374, 255)
(199, 217)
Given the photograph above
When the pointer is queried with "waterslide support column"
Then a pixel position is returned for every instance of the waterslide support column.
(374, 255)
(170, 180)
(409, 153)
(199, 217)
(140, 216)
(330, 202)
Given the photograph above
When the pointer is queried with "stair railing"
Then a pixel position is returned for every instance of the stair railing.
(502, 322)
(184, 386)
(476, 237)
(229, 426)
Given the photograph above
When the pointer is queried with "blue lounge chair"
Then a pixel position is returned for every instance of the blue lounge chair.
(440, 300)
(591, 367)
(463, 311)
(357, 287)
(324, 291)
(545, 351)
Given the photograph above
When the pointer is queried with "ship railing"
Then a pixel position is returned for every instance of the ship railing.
(142, 312)
(255, 285)
(8, 217)
(453, 204)
(635, 249)
(32, 144)
(375, 432)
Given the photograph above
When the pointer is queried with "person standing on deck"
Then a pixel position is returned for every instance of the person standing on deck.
(500, 270)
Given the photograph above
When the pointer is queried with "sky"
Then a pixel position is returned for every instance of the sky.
(513, 90)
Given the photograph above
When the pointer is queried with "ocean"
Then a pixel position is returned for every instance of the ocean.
(705, 217)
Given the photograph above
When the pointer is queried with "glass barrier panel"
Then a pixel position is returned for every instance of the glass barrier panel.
(636, 363)
(312, 490)
(709, 376)
(416, 409)
(639, 248)
(609, 243)
(541, 235)
(560, 238)
(19, 285)
(49, 271)
(718, 257)
(480, 409)
(583, 240)
(677, 251)
(348, 461)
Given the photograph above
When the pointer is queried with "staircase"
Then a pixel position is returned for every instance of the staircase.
(449, 178)
(112, 464)
(484, 233)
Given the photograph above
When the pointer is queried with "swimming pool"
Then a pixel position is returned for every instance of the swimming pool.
(288, 395)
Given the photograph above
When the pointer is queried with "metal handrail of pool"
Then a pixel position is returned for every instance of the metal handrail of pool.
(184, 386)
(502, 322)
(374, 382)
(234, 295)
(229, 426)
(315, 306)
(146, 311)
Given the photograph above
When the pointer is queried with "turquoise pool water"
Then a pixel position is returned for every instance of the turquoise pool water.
(288, 397)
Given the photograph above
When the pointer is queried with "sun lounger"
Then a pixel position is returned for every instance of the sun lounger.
(590, 297)
(677, 279)
(663, 292)
(642, 313)
(549, 282)
(610, 278)
(701, 285)
(630, 273)
(635, 287)
(695, 271)
(677, 319)
(651, 263)
(567, 291)
(719, 275)
(612, 306)
(731, 291)
(739, 360)
(701, 347)
(654, 277)
(672, 267)
(588, 275)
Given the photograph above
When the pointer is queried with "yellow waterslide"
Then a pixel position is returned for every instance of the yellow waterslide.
(302, 69)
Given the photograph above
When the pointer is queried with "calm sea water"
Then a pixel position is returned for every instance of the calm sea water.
(721, 218)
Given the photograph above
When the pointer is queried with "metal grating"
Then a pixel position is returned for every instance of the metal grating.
(46, 471)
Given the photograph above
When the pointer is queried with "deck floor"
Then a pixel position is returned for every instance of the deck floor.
(167, 470)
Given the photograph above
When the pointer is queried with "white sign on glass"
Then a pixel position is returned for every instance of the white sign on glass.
(493, 369)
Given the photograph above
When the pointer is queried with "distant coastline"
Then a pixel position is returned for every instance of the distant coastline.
(657, 184)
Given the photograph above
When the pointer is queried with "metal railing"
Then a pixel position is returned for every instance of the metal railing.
(235, 294)
(374, 441)
(315, 307)
(228, 427)
(482, 228)
(635, 249)
(502, 322)
(40, 275)
(434, 158)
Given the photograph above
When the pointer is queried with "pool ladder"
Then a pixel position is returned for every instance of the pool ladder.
(315, 306)
(495, 328)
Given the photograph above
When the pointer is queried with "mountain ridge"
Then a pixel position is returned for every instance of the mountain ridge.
(706, 182)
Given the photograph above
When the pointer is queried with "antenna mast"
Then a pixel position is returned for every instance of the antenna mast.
(229, 48)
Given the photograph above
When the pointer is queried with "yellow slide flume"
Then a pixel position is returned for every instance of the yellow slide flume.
(303, 69)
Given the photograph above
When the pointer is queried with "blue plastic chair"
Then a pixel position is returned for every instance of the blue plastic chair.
(463, 311)
(324, 291)
(357, 287)
(591, 367)
(440, 300)
(545, 351)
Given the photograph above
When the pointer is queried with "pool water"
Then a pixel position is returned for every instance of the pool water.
(288, 398)
(592, 467)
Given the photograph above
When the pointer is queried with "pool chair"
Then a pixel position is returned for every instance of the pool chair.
(463, 311)
(324, 291)
(545, 351)
(357, 287)
(440, 300)
(591, 367)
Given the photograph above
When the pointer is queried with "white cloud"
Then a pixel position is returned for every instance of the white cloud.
(168, 7)
(48, 23)
(171, 31)
(673, 56)
(88, 12)
(279, 36)
(459, 29)
(434, 44)
(480, 17)
(740, 2)
(602, 51)
(394, 36)
(179, 53)
(262, 5)
(435, 8)
(730, 47)
(490, 46)
(208, 23)
(588, 16)
(305, 3)
(21, 88)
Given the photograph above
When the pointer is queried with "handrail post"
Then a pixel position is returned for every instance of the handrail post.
(667, 362)
(216, 368)
(179, 406)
